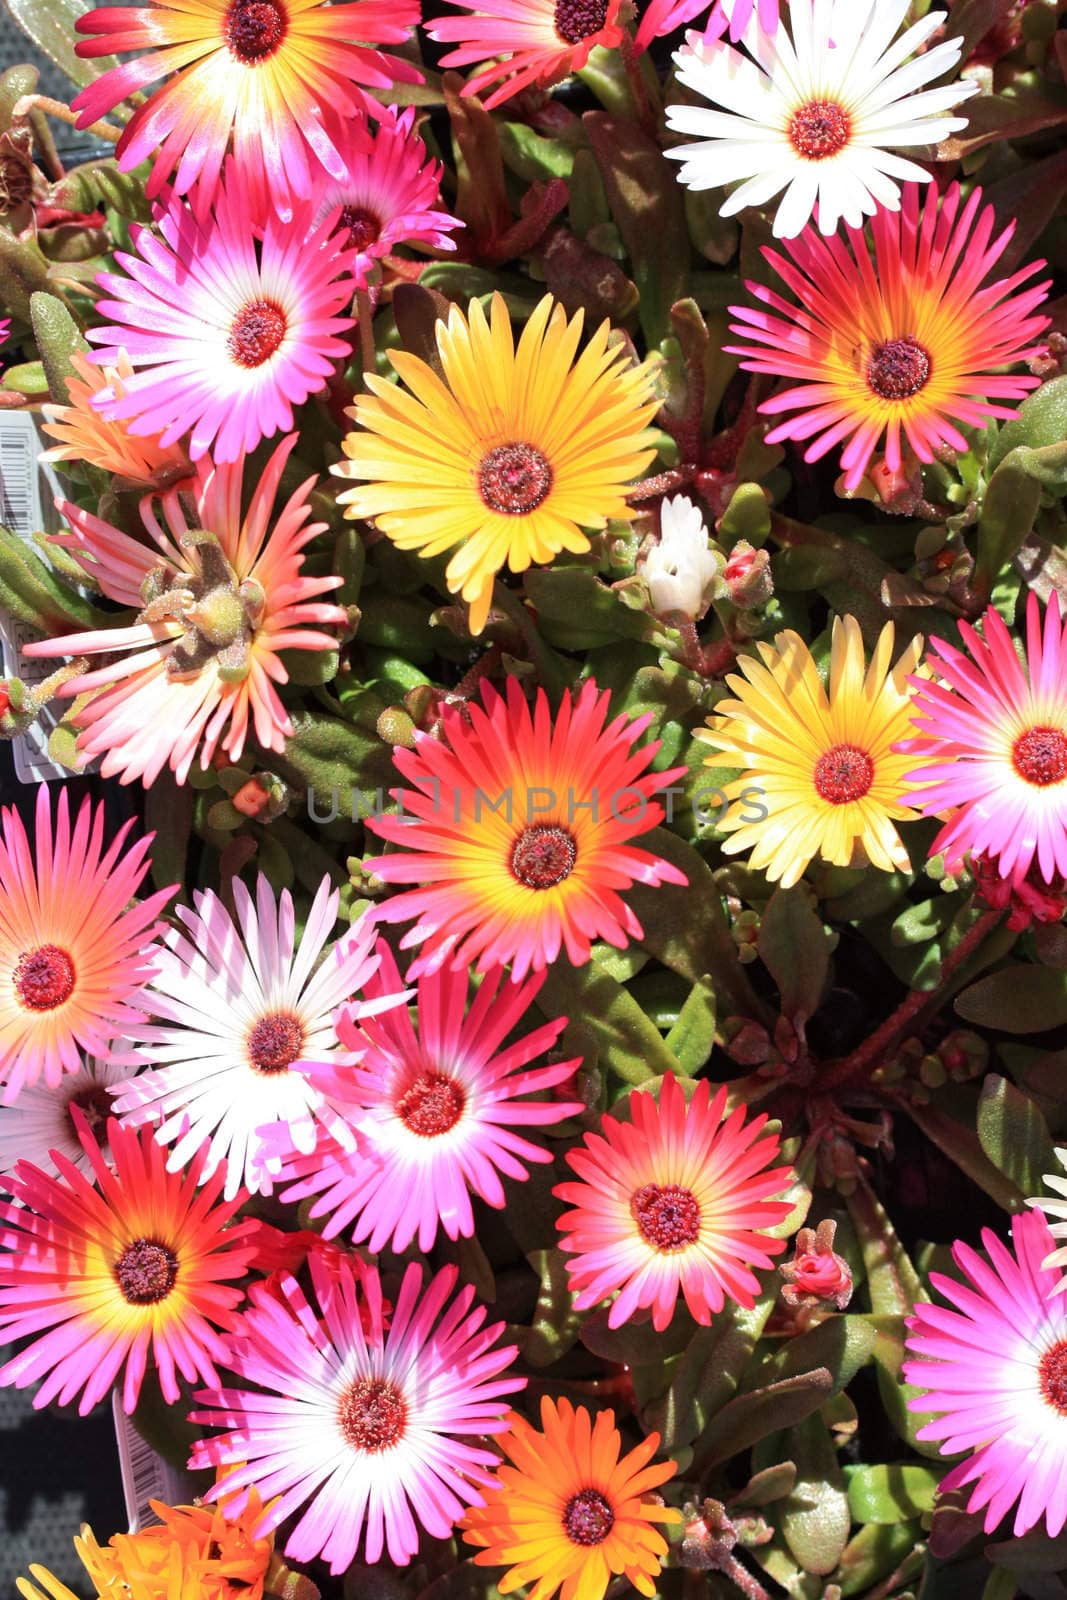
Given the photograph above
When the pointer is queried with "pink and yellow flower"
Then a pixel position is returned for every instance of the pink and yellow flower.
(519, 830)
(257, 70)
(75, 951)
(899, 345)
(219, 594)
(993, 746)
(101, 1278)
(434, 1109)
(676, 1201)
(540, 41)
(230, 320)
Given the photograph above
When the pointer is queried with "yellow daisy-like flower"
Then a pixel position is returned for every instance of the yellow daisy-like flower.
(571, 1512)
(823, 764)
(86, 434)
(508, 454)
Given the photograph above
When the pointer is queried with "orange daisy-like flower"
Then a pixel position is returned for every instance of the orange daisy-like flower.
(88, 434)
(100, 1278)
(519, 831)
(572, 1513)
(541, 41)
(75, 950)
(259, 70)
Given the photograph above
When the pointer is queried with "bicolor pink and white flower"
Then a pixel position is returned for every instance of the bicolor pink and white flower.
(434, 1104)
(389, 192)
(76, 948)
(242, 1000)
(992, 747)
(42, 1119)
(230, 320)
(219, 594)
(675, 1202)
(729, 17)
(370, 1434)
(993, 1365)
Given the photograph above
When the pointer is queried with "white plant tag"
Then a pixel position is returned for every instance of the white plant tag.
(145, 1475)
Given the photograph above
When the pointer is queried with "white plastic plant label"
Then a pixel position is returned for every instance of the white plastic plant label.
(145, 1475)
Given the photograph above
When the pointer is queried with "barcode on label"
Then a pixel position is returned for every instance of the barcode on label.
(145, 1475)
(28, 488)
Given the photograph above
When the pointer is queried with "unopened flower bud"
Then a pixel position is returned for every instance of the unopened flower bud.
(396, 727)
(817, 1275)
(747, 576)
(681, 569)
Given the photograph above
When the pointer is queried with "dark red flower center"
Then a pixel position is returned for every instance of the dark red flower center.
(254, 29)
(668, 1215)
(364, 227)
(579, 19)
(514, 479)
(94, 1102)
(1052, 1375)
(258, 329)
(44, 978)
(433, 1104)
(898, 369)
(587, 1517)
(372, 1413)
(843, 773)
(543, 856)
(146, 1272)
(275, 1042)
(819, 129)
(1040, 756)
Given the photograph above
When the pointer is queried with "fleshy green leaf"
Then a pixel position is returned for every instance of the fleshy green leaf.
(1017, 999)
(1014, 1134)
(793, 948)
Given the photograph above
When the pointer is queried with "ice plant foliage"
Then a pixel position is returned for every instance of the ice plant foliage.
(824, 760)
(538, 41)
(259, 71)
(434, 1104)
(231, 320)
(903, 343)
(508, 453)
(75, 953)
(519, 827)
(993, 1365)
(569, 1510)
(673, 1202)
(239, 1003)
(219, 593)
(100, 1279)
(992, 745)
(361, 1429)
(817, 109)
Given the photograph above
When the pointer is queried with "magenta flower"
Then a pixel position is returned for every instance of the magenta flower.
(993, 745)
(362, 1427)
(388, 192)
(664, 16)
(433, 1109)
(232, 322)
(995, 1368)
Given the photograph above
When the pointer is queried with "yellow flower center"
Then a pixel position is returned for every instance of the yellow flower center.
(898, 369)
(146, 1272)
(44, 978)
(843, 773)
(1040, 756)
(819, 129)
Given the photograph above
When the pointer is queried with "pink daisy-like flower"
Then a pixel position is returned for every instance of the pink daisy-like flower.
(388, 192)
(519, 830)
(672, 1202)
(994, 1365)
(901, 344)
(46, 1117)
(102, 1277)
(664, 16)
(242, 1000)
(434, 1109)
(219, 594)
(364, 1428)
(260, 71)
(993, 745)
(541, 41)
(231, 322)
(75, 950)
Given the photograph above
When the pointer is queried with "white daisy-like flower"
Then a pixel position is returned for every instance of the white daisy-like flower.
(681, 568)
(41, 1119)
(241, 1002)
(817, 111)
(1058, 1209)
